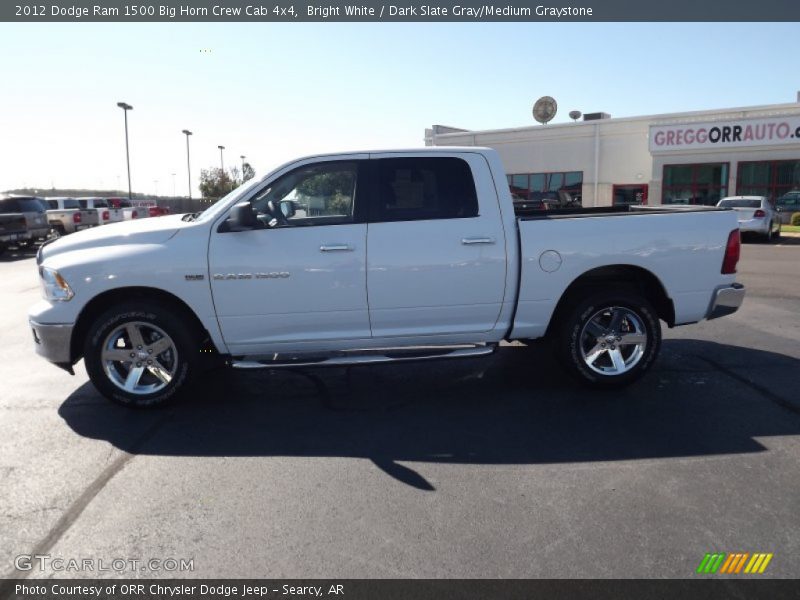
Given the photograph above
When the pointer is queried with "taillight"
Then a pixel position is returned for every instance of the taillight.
(105, 215)
(76, 217)
(732, 249)
(759, 214)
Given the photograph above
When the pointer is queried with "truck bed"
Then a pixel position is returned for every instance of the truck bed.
(527, 214)
(682, 247)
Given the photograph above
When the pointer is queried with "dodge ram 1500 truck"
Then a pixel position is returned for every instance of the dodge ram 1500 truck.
(376, 257)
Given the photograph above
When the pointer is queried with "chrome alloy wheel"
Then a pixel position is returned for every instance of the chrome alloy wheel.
(613, 341)
(139, 358)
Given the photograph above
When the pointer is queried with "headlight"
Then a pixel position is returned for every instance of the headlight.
(54, 286)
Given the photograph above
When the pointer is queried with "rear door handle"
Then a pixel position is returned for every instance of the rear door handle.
(335, 248)
(482, 240)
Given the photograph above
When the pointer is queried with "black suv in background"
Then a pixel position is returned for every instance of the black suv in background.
(33, 211)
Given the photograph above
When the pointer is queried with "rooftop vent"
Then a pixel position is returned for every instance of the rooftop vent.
(596, 116)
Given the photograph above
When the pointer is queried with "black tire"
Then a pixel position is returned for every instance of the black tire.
(180, 362)
(576, 340)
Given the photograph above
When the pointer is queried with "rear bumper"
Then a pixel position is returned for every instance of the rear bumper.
(13, 236)
(40, 232)
(53, 342)
(726, 300)
(754, 226)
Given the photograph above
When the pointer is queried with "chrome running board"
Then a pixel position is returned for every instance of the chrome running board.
(376, 357)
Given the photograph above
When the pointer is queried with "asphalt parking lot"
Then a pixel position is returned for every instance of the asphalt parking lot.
(495, 467)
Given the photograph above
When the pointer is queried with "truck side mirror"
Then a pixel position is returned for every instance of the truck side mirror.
(288, 208)
(243, 218)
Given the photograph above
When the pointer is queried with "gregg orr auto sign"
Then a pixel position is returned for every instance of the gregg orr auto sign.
(776, 131)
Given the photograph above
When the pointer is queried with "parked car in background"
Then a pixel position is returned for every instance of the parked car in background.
(106, 213)
(787, 205)
(65, 215)
(756, 215)
(158, 211)
(129, 211)
(150, 208)
(12, 229)
(34, 211)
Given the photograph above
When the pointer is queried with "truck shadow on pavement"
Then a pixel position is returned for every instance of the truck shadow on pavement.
(701, 398)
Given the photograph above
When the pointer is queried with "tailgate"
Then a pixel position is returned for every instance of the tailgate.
(89, 217)
(12, 224)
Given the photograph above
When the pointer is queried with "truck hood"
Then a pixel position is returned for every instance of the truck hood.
(154, 230)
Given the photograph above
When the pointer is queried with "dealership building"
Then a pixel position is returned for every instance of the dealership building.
(680, 158)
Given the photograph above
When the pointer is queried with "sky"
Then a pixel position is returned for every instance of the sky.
(273, 92)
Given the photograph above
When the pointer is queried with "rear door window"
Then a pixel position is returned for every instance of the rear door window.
(424, 188)
(29, 205)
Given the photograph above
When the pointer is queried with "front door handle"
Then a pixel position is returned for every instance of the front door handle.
(335, 248)
(482, 240)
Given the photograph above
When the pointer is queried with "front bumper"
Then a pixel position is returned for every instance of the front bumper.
(53, 342)
(726, 300)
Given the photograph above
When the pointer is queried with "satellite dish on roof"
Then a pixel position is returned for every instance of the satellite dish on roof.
(545, 109)
(574, 115)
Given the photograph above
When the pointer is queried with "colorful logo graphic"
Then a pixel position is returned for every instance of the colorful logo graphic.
(734, 563)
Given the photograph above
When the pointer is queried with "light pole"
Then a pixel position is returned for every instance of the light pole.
(187, 133)
(125, 108)
(221, 162)
(242, 157)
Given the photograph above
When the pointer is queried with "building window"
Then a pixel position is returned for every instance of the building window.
(695, 184)
(561, 188)
(623, 195)
(768, 178)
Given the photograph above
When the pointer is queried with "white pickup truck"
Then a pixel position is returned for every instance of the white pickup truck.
(376, 257)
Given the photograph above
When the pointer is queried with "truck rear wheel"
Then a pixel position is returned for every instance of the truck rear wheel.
(609, 339)
(141, 354)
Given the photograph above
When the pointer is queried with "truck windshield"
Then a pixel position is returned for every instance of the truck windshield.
(740, 204)
(215, 209)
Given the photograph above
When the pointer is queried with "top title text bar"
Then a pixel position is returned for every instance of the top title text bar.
(288, 11)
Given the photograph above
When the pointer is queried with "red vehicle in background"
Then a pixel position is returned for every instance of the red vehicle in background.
(149, 208)
(158, 211)
(129, 211)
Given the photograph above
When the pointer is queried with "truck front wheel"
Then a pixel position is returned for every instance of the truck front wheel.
(140, 354)
(609, 339)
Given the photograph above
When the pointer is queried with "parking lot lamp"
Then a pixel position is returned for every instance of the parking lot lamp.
(221, 162)
(187, 133)
(125, 108)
